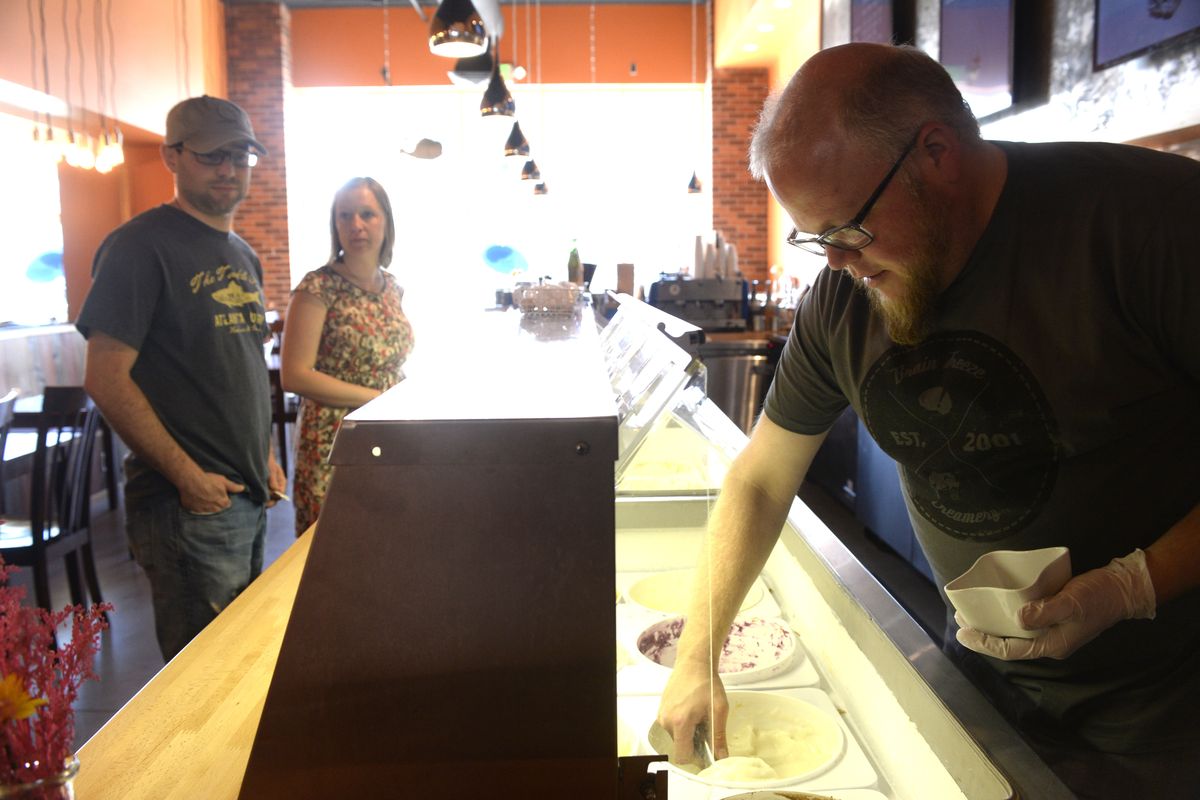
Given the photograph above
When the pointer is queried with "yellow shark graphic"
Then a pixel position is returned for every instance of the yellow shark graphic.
(233, 295)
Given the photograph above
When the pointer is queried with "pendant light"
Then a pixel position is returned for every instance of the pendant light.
(497, 100)
(517, 145)
(111, 142)
(457, 30)
(530, 171)
(694, 186)
(540, 189)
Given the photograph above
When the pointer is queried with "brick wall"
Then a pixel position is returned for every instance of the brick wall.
(258, 47)
(740, 203)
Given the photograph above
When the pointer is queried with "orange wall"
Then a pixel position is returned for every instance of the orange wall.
(89, 213)
(153, 64)
(344, 47)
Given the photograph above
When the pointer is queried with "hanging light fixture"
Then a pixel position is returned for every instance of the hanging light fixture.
(541, 189)
(497, 100)
(111, 144)
(694, 186)
(44, 138)
(530, 171)
(457, 30)
(517, 145)
(78, 151)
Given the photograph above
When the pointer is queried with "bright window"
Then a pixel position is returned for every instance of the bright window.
(34, 291)
(616, 160)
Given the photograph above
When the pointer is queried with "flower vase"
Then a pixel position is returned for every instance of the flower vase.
(59, 786)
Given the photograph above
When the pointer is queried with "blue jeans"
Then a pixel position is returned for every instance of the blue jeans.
(197, 563)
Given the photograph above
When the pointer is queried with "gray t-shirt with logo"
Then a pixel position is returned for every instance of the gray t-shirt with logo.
(1057, 402)
(189, 299)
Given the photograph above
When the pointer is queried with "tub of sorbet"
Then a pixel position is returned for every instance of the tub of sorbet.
(756, 648)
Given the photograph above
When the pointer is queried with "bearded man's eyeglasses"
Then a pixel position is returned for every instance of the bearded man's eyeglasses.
(852, 235)
(239, 158)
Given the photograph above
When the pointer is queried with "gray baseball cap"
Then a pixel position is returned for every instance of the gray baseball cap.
(208, 123)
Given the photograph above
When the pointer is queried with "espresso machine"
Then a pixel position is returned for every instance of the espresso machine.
(712, 304)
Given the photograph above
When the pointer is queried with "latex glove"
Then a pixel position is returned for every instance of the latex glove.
(1087, 605)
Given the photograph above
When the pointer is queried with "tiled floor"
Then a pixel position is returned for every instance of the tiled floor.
(129, 655)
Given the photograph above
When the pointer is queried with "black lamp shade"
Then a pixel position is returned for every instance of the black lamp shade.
(457, 30)
(694, 185)
(517, 144)
(497, 100)
(530, 171)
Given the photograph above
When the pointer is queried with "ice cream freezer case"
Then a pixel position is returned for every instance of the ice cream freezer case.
(912, 726)
(454, 627)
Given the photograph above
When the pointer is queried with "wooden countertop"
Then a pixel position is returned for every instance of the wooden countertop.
(189, 732)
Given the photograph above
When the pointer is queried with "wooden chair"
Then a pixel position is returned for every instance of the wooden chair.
(284, 407)
(59, 524)
(7, 403)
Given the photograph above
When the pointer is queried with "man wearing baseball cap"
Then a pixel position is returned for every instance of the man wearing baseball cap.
(175, 323)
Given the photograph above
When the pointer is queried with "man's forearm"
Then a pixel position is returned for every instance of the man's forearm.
(742, 531)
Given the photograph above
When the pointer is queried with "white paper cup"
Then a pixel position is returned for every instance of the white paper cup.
(989, 594)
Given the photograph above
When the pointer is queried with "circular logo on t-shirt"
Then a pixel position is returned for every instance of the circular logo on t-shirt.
(974, 436)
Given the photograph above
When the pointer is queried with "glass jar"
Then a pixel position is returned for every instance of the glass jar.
(59, 786)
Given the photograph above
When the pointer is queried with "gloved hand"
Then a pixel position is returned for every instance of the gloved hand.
(1087, 605)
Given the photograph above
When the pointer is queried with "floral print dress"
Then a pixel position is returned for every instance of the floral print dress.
(364, 341)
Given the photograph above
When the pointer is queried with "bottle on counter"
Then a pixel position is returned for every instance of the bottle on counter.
(574, 266)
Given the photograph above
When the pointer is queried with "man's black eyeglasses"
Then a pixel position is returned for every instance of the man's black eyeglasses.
(240, 158)
(852, 235)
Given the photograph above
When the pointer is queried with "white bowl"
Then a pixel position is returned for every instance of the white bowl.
(756, 648)
(989, 594)
(670, 592)
(796, 738)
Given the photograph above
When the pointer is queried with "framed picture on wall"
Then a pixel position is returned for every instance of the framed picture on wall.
(1126, 29)
(977, 51)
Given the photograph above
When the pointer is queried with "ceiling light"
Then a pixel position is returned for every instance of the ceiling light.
(517, 144)
(765, 27)
(694, 185)
(457, 30)
(530, 171)
(750, 47)
(540, 189)
(497, 100)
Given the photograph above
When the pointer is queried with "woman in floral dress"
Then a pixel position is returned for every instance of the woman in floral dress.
(345, 336)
